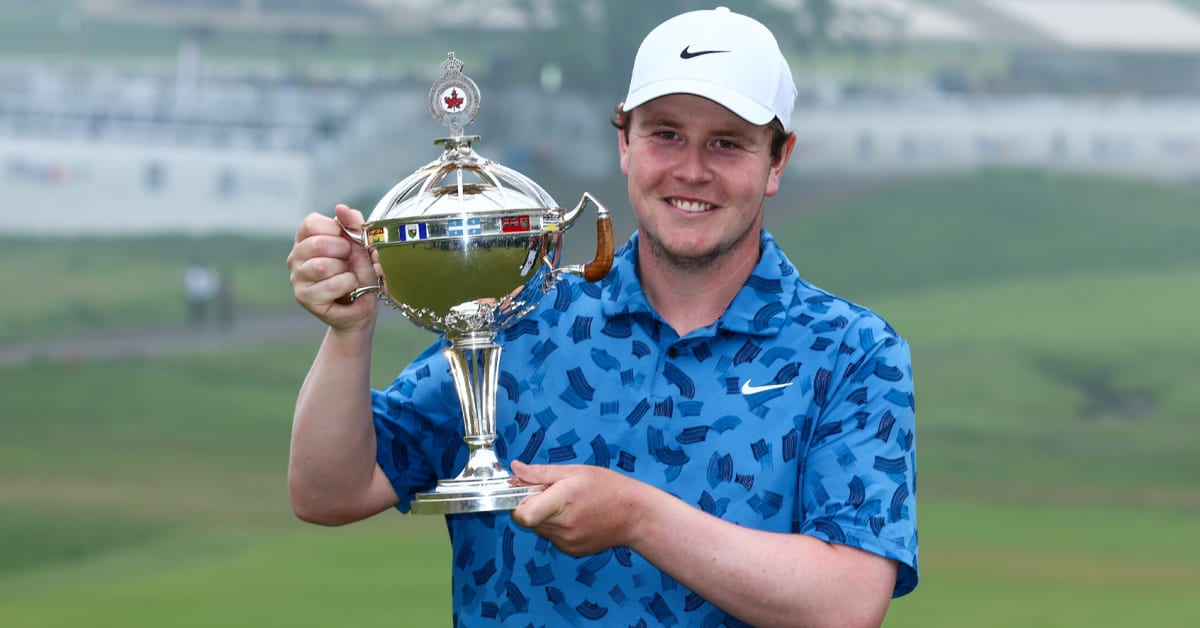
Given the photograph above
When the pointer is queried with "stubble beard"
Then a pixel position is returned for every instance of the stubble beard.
(705, 260)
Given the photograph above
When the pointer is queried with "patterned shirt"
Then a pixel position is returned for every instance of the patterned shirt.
(791, 413)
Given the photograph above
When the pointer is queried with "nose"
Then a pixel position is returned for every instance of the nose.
(693, 166)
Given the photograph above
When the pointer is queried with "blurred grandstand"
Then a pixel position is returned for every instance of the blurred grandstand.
(107, 147)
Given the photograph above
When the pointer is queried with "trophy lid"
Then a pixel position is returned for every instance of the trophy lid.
(461, 188)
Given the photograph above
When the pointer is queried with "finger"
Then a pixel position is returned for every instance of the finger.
(319, 257)
(320, 281)
(535, 510)
(319, 245)
(316, 224)
(375, 265)
(365, 259)
(318, 236)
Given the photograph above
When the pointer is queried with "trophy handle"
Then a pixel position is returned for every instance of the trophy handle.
(360, 238)
(598, 268)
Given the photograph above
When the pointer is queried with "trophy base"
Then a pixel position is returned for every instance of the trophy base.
(451, 497)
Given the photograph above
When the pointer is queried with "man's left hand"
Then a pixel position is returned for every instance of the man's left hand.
(584, 509)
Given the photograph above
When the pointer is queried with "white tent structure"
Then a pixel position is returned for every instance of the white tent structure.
(1135, 26)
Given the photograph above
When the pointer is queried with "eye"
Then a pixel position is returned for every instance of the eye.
(725, 144)
(666, 134)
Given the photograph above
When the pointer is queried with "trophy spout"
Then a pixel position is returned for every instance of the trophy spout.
(569, 216)
(601, 263)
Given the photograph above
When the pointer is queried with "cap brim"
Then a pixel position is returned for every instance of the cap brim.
(745, 108)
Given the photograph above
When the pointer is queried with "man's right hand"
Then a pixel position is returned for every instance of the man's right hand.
(326, 265)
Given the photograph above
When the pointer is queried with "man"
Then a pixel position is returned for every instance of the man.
(722, 443)
(200, 286)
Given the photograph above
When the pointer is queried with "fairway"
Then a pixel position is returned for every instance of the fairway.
(1067, 565)
(1052, 323)
(278, 575)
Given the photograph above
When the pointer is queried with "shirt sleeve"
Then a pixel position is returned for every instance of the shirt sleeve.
(418, 439)
(859, 486)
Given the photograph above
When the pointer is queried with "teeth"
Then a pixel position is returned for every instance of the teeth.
(691, 206)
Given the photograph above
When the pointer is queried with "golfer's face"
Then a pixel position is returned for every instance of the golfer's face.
(697, 176)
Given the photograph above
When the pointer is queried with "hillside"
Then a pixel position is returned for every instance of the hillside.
(1052, 322)
(964, 230)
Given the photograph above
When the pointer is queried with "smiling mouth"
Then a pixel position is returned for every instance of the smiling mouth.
(692, 207)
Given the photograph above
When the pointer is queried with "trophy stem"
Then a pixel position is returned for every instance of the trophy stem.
(475, 365)
(483, 484)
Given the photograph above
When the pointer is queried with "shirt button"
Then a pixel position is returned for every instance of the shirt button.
(672, 352)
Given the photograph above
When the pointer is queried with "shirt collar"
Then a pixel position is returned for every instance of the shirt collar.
(758, 308)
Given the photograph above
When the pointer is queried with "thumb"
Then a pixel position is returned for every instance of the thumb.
(360, 256)
(542, 506)
(539, 473)
(351, 219)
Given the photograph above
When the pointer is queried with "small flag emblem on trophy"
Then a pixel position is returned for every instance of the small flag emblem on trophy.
(514, 224)
(417, 231)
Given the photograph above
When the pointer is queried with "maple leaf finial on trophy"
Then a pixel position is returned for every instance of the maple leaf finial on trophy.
(454, 98)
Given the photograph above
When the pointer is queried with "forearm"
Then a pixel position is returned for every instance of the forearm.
(764, 578)
(332, 460)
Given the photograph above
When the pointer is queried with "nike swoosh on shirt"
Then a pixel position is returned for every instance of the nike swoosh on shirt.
(688, 54)
(750, 389)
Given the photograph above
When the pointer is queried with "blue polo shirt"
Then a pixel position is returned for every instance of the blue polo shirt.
(791, 413)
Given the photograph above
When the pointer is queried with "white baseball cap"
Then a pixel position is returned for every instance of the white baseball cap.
(726, 57)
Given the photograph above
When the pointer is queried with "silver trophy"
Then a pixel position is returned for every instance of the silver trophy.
(467, 247)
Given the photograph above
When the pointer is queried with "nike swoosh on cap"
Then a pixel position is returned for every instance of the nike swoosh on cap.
(750, 389)
(688, 54)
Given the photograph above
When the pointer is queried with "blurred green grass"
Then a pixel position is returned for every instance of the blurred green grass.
(69, 286)
(1004, 562)
(247, 576)
(1055, 361)
(153, 492)
(960, 231)
(1074, 372)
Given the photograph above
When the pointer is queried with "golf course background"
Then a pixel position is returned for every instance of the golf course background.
(1052, 318)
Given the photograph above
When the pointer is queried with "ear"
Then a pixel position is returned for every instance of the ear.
(776, 172)
(623, 151)
(623, 139)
